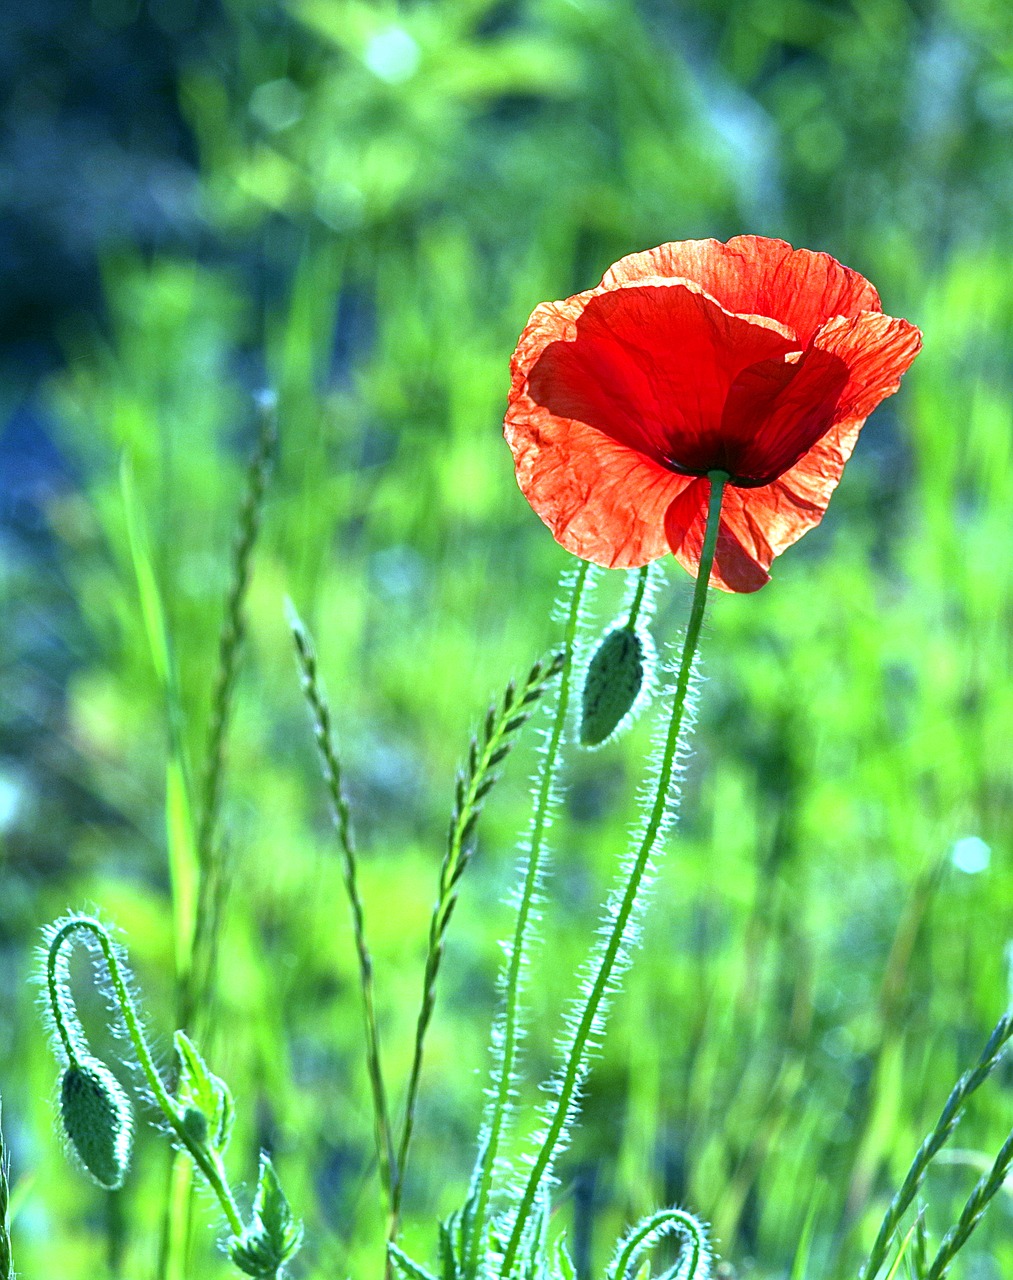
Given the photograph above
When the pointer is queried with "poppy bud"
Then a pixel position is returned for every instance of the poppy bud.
(614, 680)
(97, 1120)
(196, 1124)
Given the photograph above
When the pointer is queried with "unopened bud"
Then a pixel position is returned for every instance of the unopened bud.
(97, 1120)
(615, 677)
(196, 1124)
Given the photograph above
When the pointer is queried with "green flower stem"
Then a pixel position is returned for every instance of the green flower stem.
(638, 598)
(209, 1162)
(574, 1066)
(522, 927)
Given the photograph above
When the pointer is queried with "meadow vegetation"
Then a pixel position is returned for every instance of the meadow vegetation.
(383, 193)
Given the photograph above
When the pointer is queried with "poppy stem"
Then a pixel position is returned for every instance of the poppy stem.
(589, 1022)
(638, 598)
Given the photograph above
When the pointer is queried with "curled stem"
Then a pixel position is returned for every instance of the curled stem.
(71, 1037)
(523, 925)
(575, 1066)
(647, 1233)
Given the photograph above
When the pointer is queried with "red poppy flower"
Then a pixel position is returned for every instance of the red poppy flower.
(750, 357)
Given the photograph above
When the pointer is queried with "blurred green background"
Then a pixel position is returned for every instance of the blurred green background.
(358, 205)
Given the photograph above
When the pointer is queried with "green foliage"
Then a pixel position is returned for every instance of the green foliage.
(204, 1098)
(273, 1235)
(820, 965)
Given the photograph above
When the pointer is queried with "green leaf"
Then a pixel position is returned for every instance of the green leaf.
(152, 612)
(273, 1236)
(446, 1253)
(407, 1267)
(564, 1267)
(184, 871)
(200, 1093)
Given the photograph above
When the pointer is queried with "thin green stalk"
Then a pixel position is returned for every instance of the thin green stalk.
(575, 1065)
(210, 883)
(933, 1144)
(331, 766)
(6, 1257)
(207, 1161)
(987, 1187)
(523, 923)
(500, 729)
(638, 598)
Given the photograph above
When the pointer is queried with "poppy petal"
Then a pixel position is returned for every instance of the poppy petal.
(650, 366)
(602, 500)
(796, 501)
(742, 555)
(751, 357)
(754, 275)
(779, 414)
(877, 349)
(686, 523)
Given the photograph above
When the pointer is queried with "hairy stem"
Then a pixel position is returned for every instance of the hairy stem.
(648, 1232)
(576, 1062)
(523, 925)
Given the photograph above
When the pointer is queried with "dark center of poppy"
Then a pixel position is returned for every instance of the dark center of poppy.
(717, 459)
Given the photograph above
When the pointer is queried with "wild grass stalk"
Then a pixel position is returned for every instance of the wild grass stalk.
(499, 733)
(6, 1253)
(949, 1117)
(986, 1189)
(211, 883)
(330, 762)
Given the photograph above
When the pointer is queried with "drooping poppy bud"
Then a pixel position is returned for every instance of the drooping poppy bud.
(98, 1121)
(614, 681)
